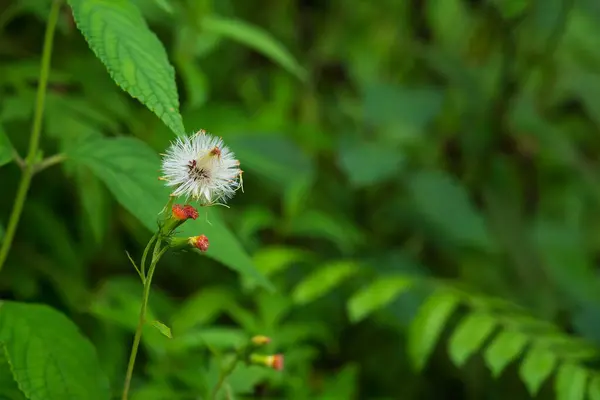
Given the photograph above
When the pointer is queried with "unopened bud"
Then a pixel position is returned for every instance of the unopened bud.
(179, 214)
(274, 361)
(260, 340)
(199, 242)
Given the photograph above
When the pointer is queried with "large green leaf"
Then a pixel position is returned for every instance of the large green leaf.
(129, 168)
(428, 325)
(255, 37)
(49, 357)
(9, 390)
(469, 336)
(135, 58)
(377, 295)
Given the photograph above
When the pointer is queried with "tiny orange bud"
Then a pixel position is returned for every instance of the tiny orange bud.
(275, 361)
(272, 361)
(261, 340)
(199, 242)
(179, 212)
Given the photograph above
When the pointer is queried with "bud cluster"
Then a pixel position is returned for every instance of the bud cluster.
(274, 361)
(179, 215)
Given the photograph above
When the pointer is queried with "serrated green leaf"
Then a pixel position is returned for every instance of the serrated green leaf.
(256, 38)
(162, 328)
(6, 149)
(428, 325)
(129, 168)
(134, 56)
(324, 279)
(570, 382)
(9, 390)
(50, 358)
(377, 295)
(469, 336)
(505, 348)
(536, 368)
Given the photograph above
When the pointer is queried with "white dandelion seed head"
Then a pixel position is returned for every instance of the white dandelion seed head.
(201, 167)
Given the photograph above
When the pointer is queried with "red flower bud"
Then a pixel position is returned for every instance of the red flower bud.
(190, 212)
(272, 361)
(179, 213)
(275, 361)
(199, 242)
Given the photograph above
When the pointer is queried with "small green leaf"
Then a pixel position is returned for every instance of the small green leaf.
(50, 358)
(255, 37)
(444, 203)
(162, 328)
(276, 159)
(469, 336)
(377, 295)
(368, 163)
(512, 8)
(273, 259)
(570, 382)
(134, 56)
(536, 368)
(428, 325)
(504, 349)
(201, 308)
(165, 5)
(129, 168)
(6, 149)
(324, 279)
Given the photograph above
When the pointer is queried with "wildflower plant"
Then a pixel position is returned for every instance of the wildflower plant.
(201, 169)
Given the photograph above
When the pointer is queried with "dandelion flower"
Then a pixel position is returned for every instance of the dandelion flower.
(200, 166)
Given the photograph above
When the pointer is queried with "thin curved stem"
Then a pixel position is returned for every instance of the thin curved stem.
(225, 372)
(143, 263)
(34, 140)
(156, 255)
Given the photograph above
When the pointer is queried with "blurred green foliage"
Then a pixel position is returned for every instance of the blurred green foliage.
(421, 205)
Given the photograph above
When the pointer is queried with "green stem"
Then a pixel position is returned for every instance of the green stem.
(156, 255)
(34, 141)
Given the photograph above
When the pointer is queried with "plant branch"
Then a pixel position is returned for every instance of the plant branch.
(48, 162)
(34, 140)
(156, 255)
